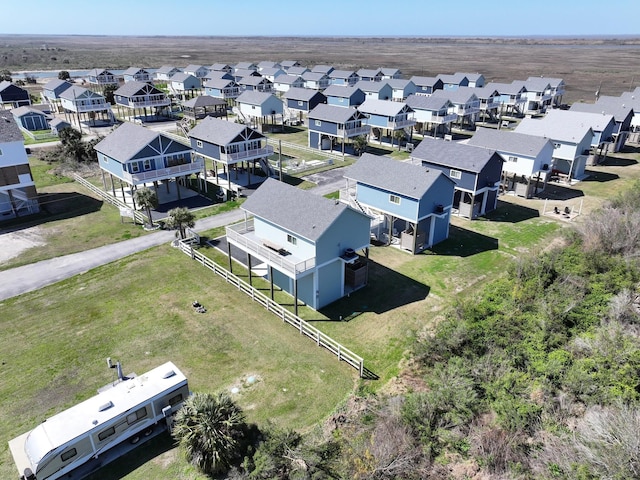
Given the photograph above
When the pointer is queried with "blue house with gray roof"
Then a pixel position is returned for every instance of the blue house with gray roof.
(344, 77)
(426, 85)
(410, 202)
(476, 172)
(329, 125)
(222, 88)
(313, 248)
(344, 96)
(377, 90)
(300, 101)
(230, 146)
(432, 113)
(136, 155)
(387, 115)
(620, 109)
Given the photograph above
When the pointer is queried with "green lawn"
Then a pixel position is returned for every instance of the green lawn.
(138, 310)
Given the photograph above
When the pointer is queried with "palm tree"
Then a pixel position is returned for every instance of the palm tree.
(210, 429)
(147, 199)
(181, 218)
(399, 135)
(360, 144)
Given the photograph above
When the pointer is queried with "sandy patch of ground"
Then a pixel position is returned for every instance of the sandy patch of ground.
(13, 243)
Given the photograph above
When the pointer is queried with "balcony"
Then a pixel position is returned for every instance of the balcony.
(442, 119)
(94, 107)
(247, 155)
(243, 236)
(144, 102)
(398, 124)
(353, 131)
(169, 172)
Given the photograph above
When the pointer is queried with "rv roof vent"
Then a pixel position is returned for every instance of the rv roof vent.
(105, 406)
(169, 374)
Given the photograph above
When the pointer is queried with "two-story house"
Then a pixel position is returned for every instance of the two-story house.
(315, 80)
(101, 78)
(85, 104)
(222, 88)
(571, 142)
(51, 93)
(230, 146)
(13, 95)
(344, 77)
(432, 113)
(466, 104)
(387, 115)
(344, 96)
(621, 111)
(330, 125)
(375, 90)
(165, 72)
(136, 155)
(528, 159)
(283, 83)
(18, 195)
(309, 244)
(426, 85)
(259, 106)
(141, 96)
(476, 172)
(135, 74)
(300, 101)
(409, 203)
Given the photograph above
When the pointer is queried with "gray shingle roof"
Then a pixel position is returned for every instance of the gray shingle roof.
(368, 72)
(597, 121)
(534, 84)
(382, 107)
(611, 106)
(372, 87)
(287, 79)
(472, 77)
(55, 122)
(216, 131)
(296, 93)
(331, 113)
(252, 97)
(55, 83)
(270, 71)
(254, 81)
(342, 74)
(404, 178)
(297, 211)
(314, 76)
(423, 102)
(132, 88)
(504, 88)
(424, 81)
(454, 78)
(20, 111)
(509, 142)
(134, 70)
(125, 141)
(165, 69)
(398, 83)
(297, 70)
(75, 91)
(460, 96)
(554, 82)
(390, 71)
(322, 69)
(555, 128)
(181, 77)
(203, 101)
(219, 83)
(452, 154)
(9, 131)
(220, 67)
(340, 91)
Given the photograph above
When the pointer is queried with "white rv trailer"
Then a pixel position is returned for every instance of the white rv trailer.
(124, 412)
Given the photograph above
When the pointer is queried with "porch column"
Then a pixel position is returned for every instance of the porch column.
(133, 197)
(366, 256)
(122, 190)
(229, 254)
(295, 296)
(113, 187)
(415, 237)
(249, 268)
(271, 280)
(104, 181)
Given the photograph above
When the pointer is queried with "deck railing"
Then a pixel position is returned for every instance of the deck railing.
(322, 340)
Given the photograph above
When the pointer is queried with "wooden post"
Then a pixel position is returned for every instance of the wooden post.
(249, 268)
(280, 158)
(229, 253)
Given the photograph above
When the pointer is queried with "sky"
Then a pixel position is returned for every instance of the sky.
(323, 17)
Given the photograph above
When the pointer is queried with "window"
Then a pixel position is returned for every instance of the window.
(341, 100)
(68, 454)
(137, 415)
(394, 199)
(300, 103)
(103, 435)
(318, 123)
(292, 240)
(513, 159)
(147, 164)
(175, 399)
(135, 167)
(556, 145)
(199, 143)
(455, 174)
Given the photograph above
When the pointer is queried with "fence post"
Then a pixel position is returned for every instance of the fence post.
(339, 353)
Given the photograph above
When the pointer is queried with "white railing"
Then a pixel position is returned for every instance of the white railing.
(401, 124)
(149, 103)
(448, 118)
(235, 235)
(247, 154)
(353, 131)
(137, 216)
(94, 107)
(322, 340)
(194, 167)
(304, 148)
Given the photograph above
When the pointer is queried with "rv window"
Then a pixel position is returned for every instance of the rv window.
(68, 454)
(137, 415)
(106, 433)
(174, 400)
